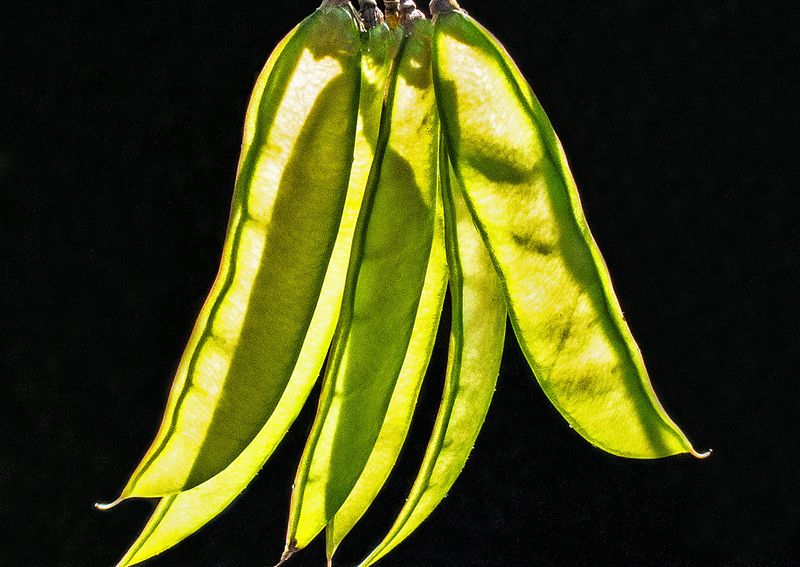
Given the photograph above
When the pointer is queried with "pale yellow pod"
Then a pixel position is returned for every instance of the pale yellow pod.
(288, 202)
(523, 200)
(179, 515)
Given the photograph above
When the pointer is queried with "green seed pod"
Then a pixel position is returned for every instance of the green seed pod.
(522, 197)
(387, 275)
(476, 346)
(287, 208)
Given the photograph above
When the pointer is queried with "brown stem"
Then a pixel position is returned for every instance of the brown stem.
(370, 13)
(444, 7)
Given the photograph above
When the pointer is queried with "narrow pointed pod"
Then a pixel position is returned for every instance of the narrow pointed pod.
(385, 281)
(476, 348)
(404, 398)
(179, 515)
(288, 202)
(523, 199)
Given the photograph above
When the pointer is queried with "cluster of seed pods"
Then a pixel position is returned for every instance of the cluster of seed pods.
(384, 160)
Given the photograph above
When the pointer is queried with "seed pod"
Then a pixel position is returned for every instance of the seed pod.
(353, 208)
(287, 207)
(523, 200)
(179, 515)
(385, 281)
(403, 400)
(476, 347)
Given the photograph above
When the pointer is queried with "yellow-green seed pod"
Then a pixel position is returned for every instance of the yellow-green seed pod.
(523, 200)
(287, 208)
(179, 515)
(476, 346)
(382, 297)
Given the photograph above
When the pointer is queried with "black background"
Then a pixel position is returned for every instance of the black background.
(120, 130)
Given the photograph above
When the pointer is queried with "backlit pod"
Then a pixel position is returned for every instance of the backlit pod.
(391, 252)
(476, 346)
(287, 208)
(406, 390)
(522, 197)
(179, 515)
(377, 165)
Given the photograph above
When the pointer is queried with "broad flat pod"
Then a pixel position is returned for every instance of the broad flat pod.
(476, 346)
(379, 163)
(524, 202)
(415, 101)
(179, 515)
(386, 277)
(299, 138)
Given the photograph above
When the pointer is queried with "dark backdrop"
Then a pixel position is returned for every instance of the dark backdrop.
(121, 125)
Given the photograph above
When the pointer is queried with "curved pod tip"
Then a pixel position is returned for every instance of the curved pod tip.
(287, 554)
(103, 506)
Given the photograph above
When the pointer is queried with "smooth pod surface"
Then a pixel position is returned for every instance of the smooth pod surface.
(404, 398)
(377, 165)
(287, 207)
(476, 346)
(385, 282)
(523, 199)
(179, 515)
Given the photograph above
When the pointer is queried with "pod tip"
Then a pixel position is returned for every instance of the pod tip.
(702, 455)
(330, 551)
(103, 506)
(287, 554)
